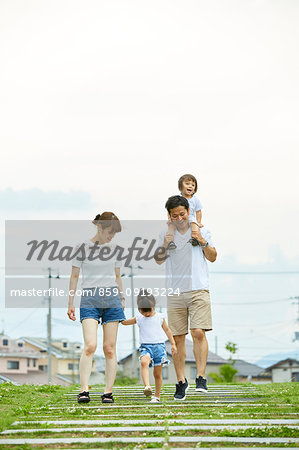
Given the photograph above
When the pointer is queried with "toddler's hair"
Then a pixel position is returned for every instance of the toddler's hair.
(107, 220)
(145, 301)
(187, 177)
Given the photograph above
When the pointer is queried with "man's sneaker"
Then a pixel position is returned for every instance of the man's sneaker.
(201, 384)
(171, 246)
(83, 397)
(147, 391)
(194, 242)
(180, 390)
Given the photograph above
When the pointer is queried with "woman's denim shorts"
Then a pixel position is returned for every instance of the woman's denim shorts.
(101, 304)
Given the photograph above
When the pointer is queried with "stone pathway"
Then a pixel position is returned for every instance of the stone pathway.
(167, 430)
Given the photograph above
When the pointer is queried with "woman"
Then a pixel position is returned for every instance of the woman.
(101, 301)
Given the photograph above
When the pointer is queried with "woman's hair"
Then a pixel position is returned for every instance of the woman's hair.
(187, 177)
(145, 301)
(107, 220)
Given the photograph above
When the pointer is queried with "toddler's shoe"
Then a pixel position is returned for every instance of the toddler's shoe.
(194, 242)
(147, 391)
(171, 246)
(155, 400)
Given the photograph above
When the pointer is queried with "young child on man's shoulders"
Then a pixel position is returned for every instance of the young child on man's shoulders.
(188, 187)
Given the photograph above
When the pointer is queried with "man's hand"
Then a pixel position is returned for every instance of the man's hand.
(71, 313)
(174, 349)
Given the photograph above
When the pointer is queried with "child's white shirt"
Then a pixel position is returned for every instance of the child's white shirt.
(194, 206)
(150, 329)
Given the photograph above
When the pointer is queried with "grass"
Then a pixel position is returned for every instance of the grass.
(35, 403)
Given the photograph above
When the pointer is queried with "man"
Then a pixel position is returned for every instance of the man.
(187, 278)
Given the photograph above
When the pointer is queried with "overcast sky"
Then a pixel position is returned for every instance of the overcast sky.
(105, 103)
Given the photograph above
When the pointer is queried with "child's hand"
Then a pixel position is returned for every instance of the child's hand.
(200, 225)
(196, 234)
(168, 238)
(173, 349)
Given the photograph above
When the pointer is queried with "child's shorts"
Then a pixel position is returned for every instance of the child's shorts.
(157, 353)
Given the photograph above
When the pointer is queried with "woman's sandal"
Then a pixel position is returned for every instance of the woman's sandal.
(107, 398)
(83, 397)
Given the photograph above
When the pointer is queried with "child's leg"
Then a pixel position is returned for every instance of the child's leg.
(171, 229)
(145, 362)
(158, 380)
(194, 227)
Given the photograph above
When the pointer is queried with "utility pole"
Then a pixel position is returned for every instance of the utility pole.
(49, 328)
(134, 354)
(296, 333)
(49, 325)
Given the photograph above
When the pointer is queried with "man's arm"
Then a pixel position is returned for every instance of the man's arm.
(169, 334)
(160, 255)
(209, 252)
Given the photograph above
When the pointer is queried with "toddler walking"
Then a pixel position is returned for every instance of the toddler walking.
(152, 331)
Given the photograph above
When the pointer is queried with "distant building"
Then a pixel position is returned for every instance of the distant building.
(250, 373)
(168, 372)
(283, 371)
(17, 362)
(25, 361)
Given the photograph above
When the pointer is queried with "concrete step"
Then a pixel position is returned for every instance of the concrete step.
(183, 404)
(185, 421)
(244, 440)
(117, 429)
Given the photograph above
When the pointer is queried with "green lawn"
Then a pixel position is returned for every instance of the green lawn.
(275, 401)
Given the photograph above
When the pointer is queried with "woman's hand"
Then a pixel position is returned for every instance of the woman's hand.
(123, 300)
(71, 313)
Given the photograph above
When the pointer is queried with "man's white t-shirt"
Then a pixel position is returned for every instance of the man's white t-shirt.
(96, 272)
(186, 266)
(150, 329)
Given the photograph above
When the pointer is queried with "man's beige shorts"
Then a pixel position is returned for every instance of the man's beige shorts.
(193, 306)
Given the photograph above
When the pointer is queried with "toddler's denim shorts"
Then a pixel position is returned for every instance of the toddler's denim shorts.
(157, 353)
(101, 304)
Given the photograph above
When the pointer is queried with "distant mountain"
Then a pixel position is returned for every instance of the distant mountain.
(269, 360)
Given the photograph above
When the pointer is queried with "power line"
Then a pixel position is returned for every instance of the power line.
(268, 272)
(218, 272)
(253, 303)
